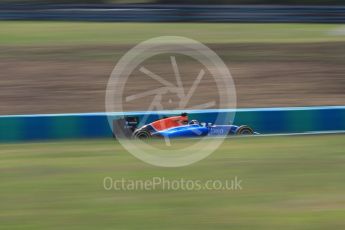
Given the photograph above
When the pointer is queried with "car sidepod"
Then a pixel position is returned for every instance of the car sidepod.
(222, 130)
(183, 132)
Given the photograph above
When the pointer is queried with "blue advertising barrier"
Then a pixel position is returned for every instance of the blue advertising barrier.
(15, 128)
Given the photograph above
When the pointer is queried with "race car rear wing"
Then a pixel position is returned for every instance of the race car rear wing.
(124, 127)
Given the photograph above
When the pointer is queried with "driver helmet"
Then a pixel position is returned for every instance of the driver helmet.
(194, 122)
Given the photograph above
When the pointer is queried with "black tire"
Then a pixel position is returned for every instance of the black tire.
(142, 134)
(244, 130)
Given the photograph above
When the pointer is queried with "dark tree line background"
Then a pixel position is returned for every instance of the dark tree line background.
(237, 2)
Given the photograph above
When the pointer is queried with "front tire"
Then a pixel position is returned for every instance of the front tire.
(244, 130)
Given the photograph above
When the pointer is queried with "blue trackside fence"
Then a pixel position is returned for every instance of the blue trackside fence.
(15, 128)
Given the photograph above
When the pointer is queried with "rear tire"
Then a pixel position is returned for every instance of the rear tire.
(244, 130)
(142, 134)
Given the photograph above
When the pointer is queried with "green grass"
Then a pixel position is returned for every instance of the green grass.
(63, 33)
(288, 183)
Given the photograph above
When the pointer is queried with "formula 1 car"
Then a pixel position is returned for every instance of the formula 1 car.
(175, 127)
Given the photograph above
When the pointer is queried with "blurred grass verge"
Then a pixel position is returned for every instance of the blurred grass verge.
(78, 33)
(288, 183)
